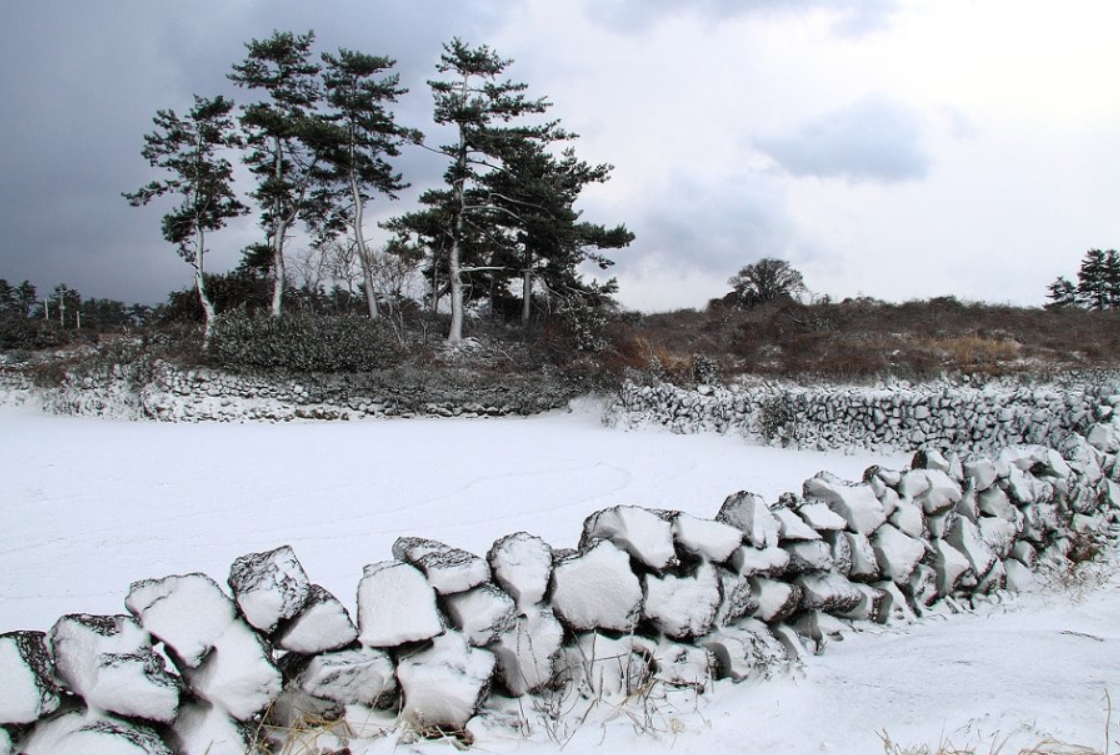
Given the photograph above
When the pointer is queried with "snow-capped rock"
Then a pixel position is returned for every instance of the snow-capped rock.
(77, 733)
(766, 562)
(707, 539)
(351, 677)
(821, 518)
(269, 587)
(680, 665)
(737, 598)
(481, 614)
(745, 650)
(683, 607)
(527, 653)
(444, 684)
(856, 503)
(605, 667)
(202, 729)
(792, 526)
(950, 565)
(321, 626)
(238, 675)
(449, 570)
(396, 604)
(596, 589)
(776, 600)
(828, 591)
(109, 662)
(909, 518)
(808, 555)
(188, 613)
(749, 513)
(522, 566)
(897, 553)
(640, 532)
(965, 537)
(865, 564)
(28, 691)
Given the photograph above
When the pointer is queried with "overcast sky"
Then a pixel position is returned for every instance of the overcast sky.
(897, 149)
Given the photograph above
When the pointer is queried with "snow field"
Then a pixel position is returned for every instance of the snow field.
(456, 672)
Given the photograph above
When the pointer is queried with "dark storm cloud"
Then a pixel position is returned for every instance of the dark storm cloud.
(873, 139)
(852, 17)
(81, 81)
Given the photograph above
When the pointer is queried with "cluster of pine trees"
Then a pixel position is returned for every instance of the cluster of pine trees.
(318, 136)
(1097, 287)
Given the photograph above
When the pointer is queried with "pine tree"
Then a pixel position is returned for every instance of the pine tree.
(480, 106)
(357, 87)
(287, 136)
(189, 149)
(1112, 278)
(1092, 280)
(1062, 294)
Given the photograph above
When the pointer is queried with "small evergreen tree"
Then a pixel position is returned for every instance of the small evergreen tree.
(1093, 280)
(765, 281)
(189, 149)
(1062, 294)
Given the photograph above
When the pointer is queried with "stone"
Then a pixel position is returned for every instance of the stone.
(865, 564)
(351, 677)
(829, 592)
(449, 570)
(109, 662)
(896, 553)
(965, 537)
(704, 538)
(28, 692)
(909, 518)
(950, 565)
(682, 608)
(821, 518)
(745, 650)
(238, 675)
(647, 537)
(737, 600)
(605, 667)
(679, 665)
(269, 587)
(776, 600)
(444, 684)
(856, 503)
(188, 613)
(767, 562)
(813, 555)
(596, 589)
(77, 733)
(750, 514)
(396, 605)
(321, 626)
(522, 566)
(202, 729)
(481, 614)
(528, 653)
(792, 526)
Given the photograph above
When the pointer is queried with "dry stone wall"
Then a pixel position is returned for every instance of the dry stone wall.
(946, 415)
(649, 596)
(165, 392)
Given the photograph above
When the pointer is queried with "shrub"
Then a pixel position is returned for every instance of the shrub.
(304, 343)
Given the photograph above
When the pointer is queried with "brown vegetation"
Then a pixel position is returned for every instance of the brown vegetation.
(861, 339)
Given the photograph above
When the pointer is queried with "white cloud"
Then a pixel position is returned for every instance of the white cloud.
(872, 139)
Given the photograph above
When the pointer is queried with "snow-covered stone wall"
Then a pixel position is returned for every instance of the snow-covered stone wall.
(660, 597)
(958, 415)
(164, 392)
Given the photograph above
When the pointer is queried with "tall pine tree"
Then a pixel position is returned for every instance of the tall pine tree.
(191, 151)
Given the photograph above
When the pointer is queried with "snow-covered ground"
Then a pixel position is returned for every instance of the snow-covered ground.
(88, 506)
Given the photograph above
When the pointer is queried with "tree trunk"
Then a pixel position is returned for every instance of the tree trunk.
(454, 264)
(363, 250)
(279, 232)
(527, 290)
(208, 312)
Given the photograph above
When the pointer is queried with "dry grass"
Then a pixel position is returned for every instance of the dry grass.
(857, 339)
